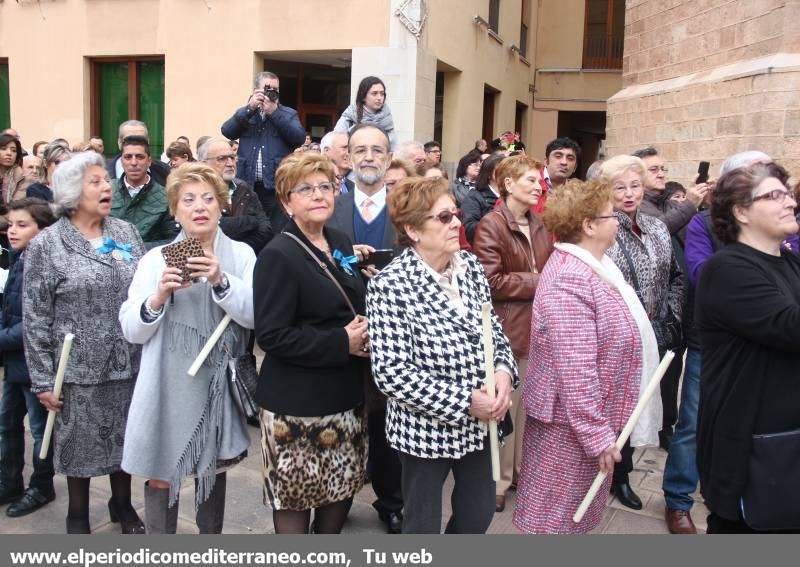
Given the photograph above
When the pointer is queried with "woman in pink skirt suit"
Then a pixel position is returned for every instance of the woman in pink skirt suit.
(591, 346)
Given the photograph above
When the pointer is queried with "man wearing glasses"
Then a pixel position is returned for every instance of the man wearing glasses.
(243, 219)
(675, 214)
(267, 132)
(362, 215)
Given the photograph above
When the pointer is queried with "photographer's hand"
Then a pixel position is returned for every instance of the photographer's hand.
(257, 99)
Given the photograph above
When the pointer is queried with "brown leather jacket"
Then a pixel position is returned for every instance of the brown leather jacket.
(505, 255)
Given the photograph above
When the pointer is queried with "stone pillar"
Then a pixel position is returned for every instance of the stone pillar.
(407, 70)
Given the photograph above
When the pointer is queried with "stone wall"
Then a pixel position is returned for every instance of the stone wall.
(704, 79)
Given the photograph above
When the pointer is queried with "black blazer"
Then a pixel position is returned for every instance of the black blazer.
(300, 317)
(342, 220)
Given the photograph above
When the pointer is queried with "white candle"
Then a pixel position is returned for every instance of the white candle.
(212, 340)
(488, 352)
(51, 416)
(626, 431)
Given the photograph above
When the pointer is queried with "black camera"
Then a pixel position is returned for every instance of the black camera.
(271, 93)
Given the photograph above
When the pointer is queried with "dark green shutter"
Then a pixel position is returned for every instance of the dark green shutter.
(5, 98)
(113, 101)
(151, 103)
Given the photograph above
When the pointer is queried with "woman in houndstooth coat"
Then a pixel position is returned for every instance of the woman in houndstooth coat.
(424, 312)
(591, 347)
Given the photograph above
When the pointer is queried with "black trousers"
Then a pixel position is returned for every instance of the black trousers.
(273, 209)
(472, 499)
(719, 525)
(669, 391)
(623, 468)
(384, 466)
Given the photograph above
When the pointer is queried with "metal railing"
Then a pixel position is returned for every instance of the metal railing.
(602, 51)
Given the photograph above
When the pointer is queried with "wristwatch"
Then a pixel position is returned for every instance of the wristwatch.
(222, 286)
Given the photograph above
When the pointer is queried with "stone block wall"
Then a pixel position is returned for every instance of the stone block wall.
(704, 79)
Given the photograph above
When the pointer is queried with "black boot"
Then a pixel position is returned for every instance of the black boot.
(159, 517)
(626, 495)
(211, 513)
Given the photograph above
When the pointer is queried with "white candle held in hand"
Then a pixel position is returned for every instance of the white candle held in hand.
(51, 416)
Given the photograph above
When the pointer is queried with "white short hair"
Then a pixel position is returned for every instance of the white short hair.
(68, 181)
(202, 151)
(404, 150)
(743, 159)
(326, 142)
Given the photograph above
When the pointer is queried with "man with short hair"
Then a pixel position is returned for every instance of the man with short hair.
(675, 214)
(97, 143)
(560, 162)
(362, 215)
(138, 198)
(267, 132)
(414, 153)
(11, 132)
(158, 170)
(243, 219)
(334, 146)
(433, 154)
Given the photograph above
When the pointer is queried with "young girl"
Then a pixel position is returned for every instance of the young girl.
(26, 218)
(370, 108)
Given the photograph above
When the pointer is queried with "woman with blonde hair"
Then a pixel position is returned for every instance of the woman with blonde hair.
(182, 426)
(643, 253)
(309, 304)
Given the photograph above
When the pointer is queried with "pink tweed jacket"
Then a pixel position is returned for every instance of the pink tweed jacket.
(585, 359)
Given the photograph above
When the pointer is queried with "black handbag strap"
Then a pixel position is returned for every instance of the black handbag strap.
(629, 261)
(325, 269)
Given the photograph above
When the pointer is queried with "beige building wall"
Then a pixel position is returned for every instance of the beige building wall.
(212, 49)
(704, 80)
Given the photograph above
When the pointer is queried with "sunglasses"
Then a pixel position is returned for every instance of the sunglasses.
(446, 217)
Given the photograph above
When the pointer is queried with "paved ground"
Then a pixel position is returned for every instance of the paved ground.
(245, 512)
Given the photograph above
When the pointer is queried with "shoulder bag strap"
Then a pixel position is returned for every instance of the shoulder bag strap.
(325, 269)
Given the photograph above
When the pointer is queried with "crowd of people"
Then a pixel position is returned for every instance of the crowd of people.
(361, 270)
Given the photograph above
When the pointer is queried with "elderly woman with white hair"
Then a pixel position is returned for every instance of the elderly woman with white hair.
(643, 253)
(77, 274)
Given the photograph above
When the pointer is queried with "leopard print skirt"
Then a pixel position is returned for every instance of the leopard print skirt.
(310, 462)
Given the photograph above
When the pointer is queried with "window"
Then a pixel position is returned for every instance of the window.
(604, 31)
(128, 89)
(494, 15)
(523, 28)
(5, 99)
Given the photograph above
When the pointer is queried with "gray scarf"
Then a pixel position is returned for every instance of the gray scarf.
(382, 119)
(209, 427)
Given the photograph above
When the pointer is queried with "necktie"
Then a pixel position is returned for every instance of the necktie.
(366, 213)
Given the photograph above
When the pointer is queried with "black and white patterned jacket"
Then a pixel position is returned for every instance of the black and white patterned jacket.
(427, 358)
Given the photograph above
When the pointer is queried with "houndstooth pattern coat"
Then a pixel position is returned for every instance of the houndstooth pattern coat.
(427, 358)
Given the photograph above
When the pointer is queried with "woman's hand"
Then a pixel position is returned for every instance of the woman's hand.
(481, 405)
(608, 457)
(170, 281)
(357, 336)
(502, 388)
(205, 267)
(49, 401)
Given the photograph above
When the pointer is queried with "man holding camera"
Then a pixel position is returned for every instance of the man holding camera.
(267, 132)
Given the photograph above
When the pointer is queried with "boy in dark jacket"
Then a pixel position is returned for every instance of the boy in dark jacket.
(26, 218)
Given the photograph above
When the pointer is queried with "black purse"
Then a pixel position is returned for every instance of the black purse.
(771, 500)
(242, 380)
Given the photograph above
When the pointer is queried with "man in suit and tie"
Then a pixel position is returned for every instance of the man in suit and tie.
(361, 214)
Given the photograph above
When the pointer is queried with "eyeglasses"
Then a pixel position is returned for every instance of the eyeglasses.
(622, 188)
(656, 168)
(222, 159)
(446, 217)
(598, 217)
(777, 195)
(325, 188)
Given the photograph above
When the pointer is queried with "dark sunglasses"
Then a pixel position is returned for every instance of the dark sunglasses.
(446, 217)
